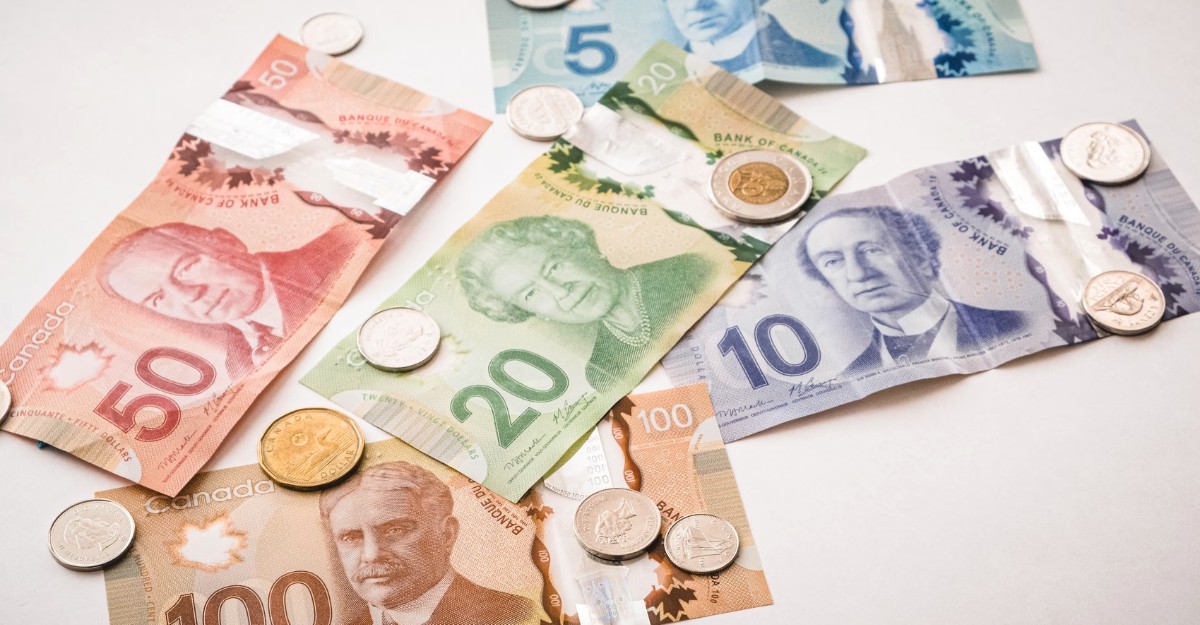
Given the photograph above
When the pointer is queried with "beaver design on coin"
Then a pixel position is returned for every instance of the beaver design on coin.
(1123, 302)
(310, 448)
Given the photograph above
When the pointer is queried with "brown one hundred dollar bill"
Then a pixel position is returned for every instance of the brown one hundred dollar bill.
(406, 539)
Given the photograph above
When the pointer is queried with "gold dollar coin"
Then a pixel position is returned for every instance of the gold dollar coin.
(310, 448)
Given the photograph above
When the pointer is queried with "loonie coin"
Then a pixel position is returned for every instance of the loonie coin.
(544, 112)
(91, 534)
(617, 523)
(701, 543)
(540, 5)
(399, 339)
(1105, 153)
(760, 186)
(331, 33)
(5, 401)
(310, 448)
(1123, 302)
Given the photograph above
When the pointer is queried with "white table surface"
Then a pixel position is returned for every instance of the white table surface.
(1063, 488)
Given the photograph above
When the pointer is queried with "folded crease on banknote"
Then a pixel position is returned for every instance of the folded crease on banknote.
(405, 537)
(951, 269)
(149, 349)
(588, 45)
(573, 281)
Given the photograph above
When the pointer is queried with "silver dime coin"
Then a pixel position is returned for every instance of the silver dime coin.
(760, 186)
(399, 339)
(544, 112)
(701, 543)
(617, 523)
(5, 401)
(540, 5)
(331, 33)
(91, 534)
(1105, 153)
(1123, 302)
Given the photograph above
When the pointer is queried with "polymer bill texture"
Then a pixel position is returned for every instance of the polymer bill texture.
(574, 280)
(590, 44)
(148, 350)
(950, 269)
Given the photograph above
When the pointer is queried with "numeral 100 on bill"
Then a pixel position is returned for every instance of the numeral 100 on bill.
(183, 612)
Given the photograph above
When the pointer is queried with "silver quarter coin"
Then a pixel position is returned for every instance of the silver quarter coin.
(760, 186)
(701, 543)
(544, 112)
(5, 401)
(399, 339)
(331, 33)
(1105, 153)
(540, 5)
(91, 534)
(1123, 302)
(617, 523)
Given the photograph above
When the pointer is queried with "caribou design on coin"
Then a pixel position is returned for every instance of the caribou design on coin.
(617, 523)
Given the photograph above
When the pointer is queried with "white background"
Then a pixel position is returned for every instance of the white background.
(1063, 488)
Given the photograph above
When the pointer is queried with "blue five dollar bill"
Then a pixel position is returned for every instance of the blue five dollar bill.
(590, 44)
(950, 269)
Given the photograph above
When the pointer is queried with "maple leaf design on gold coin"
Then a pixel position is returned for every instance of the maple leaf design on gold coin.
(211, 546)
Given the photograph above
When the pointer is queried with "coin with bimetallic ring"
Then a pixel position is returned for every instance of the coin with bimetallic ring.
(617, 523)
(91, 534)
(760, 186)
(399, 339)
(310, 448)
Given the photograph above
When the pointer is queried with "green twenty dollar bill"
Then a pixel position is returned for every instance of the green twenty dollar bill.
(557, 298)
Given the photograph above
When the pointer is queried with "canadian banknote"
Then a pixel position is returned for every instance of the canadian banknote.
(151, 346)
(590, 44)
(557, 298)
(234, 548)
(949, 269)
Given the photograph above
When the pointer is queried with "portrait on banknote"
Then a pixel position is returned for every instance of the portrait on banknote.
(884, 262)
(393, 529)
(553, 268)
(246, 301)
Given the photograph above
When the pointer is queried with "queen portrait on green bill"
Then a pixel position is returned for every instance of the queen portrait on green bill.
(553, 269)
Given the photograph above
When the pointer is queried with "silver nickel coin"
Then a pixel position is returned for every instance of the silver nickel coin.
(760, 186)
(5, 401)
(543, 112)
(399, 339)
(540, 5)
(1106, 153)
(1123, 302)
(91, 534)
(331, 33)
(617, 523)
(701, 543)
